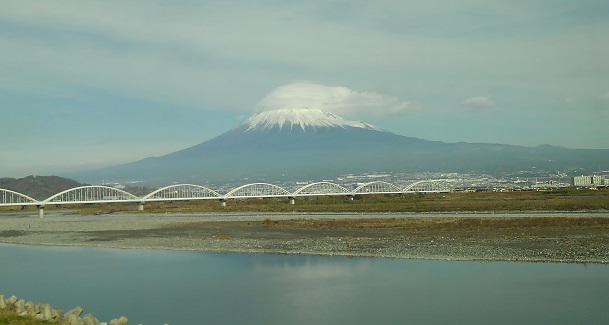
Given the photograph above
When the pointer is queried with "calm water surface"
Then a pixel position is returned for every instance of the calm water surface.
(154, 287)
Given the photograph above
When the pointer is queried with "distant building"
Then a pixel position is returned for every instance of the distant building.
(590, 180)
(582, 181)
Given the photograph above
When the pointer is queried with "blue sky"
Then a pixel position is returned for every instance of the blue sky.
(87, 84)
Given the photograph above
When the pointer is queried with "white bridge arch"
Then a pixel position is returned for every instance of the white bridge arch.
(181, 192)
(428, 186)
(258, 190)
(9, 198)
(91, 194)
(321, 188)
(377, 187)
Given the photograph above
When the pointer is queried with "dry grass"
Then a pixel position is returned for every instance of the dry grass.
(448, 223)
(10, 318)
(410, 225)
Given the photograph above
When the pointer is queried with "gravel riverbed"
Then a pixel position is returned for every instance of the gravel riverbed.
(538, 237)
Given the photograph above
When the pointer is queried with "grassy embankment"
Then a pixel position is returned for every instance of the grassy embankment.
(8, 317)
(560, 200)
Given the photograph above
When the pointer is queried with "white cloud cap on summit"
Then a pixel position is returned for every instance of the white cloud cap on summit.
(335, 99)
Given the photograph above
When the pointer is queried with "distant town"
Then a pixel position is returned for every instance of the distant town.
(532, 180)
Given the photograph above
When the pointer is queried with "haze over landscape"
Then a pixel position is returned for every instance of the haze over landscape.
(86, 85)
(304, 162)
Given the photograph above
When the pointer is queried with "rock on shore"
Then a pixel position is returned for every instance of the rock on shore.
(46, 313)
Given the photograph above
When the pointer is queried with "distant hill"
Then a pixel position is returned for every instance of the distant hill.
(310, 144)
(38, 187)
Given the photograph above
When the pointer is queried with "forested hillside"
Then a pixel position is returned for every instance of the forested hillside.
(38, 187)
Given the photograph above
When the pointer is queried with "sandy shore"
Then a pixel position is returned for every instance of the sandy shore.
(539, 237)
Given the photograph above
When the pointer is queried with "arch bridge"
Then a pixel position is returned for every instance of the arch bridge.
(184, 192)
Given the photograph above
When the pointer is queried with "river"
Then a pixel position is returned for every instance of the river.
(183, 287)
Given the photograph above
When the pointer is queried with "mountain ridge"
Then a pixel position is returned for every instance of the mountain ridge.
(323, 145)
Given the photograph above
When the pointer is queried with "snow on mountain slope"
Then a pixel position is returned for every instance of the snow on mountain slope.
(301, 118)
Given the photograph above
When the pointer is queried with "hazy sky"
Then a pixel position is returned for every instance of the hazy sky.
(85, 84)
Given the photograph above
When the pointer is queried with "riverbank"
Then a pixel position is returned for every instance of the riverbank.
(541, 237)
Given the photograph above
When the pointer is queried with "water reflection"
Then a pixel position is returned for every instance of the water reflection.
(153, 287)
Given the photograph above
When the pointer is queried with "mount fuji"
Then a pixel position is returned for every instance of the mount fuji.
(303, 144)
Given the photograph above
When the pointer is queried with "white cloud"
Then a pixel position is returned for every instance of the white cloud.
(336, 99)
(223, 58)
(479, 102)
(197, 54)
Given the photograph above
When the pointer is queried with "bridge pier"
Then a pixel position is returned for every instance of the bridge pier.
(350, 197)
(140, 206)
(41, 211)
(292, 200)
(222, 202)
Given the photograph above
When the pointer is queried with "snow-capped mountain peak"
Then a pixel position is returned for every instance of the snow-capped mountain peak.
(303, 118)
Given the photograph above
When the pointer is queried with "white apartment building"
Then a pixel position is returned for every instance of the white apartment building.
(590, 180)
